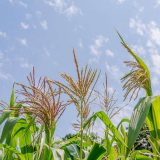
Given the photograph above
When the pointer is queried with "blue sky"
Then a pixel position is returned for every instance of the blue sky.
(42, 33)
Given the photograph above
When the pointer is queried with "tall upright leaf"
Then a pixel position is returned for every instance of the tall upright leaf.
(138, 117)
(12, 98)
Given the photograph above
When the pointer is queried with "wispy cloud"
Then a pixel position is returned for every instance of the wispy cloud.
(113, 70)
(63, 7)
(5, 76)
(44, 24)
(72, 10)
(19, 2)
(120, 1)
(99, 42)
(24, 63)
(154, 32)
(80, 44)
(3, 34)
(138, 25)
(46, 52)
(24, 25)
(157, 3)
(109, 53)
(151, 30)
(23, 41)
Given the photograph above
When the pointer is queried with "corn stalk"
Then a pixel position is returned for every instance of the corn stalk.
(139, 78)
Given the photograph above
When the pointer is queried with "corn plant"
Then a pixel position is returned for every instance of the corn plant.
(80, 92)
(28, 123)
(140, 78)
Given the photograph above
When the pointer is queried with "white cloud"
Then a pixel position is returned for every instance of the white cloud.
(19, 2)
(44, 24)
(108, 52)
(124, 113)
(23, 41)
(96, 47)
(93, 60)
(99, 128)
(154, 32)
(3, 34)
(57, 4)
(157, 3)
(46, 52)
(121, 1)
(113, 70)
(72, 10)
(63, 7)
(150, 30)
(80, 44)
(138, 25)
(5, 76)
(23, 4)
(24, 25)
(24, 63)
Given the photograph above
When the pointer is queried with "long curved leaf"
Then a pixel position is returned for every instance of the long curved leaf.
(105, 119)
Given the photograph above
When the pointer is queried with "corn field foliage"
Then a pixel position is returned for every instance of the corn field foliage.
(28, 122)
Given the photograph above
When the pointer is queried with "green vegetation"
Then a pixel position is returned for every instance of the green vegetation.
(28, 123)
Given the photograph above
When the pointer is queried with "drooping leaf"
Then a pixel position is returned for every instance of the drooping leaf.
(138, 77)
(139, 60)
(105, 119)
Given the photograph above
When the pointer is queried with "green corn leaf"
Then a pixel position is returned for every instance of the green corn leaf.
(105, 119)
(142, 155)
(156, 115)
(13, 150)
(74, 151)
(4, 116)
(139, 61)
(124, 120)
(12, 98)
(96, 151)
(7, 129)
(138, 117)
(113, 154)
